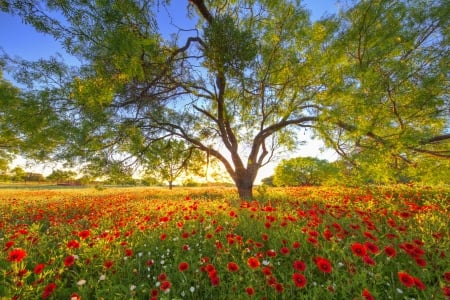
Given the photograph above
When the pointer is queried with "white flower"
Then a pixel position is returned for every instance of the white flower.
(81, 282)
(75, 256)
(132, 287)
(102, 277)
(266, 262)
(340, 264)
(140, 254)
(399, 291)
(162, 261)
(192, 289)
(157, 284)
(183, 294)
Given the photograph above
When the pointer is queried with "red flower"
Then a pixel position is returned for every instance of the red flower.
(271, 253)
(8, 245)
(84, 234)
(215, 281)
(73, 244)
(48, 290)
(232, 267)
(284, 250)
(419, 284)
(75, 296)
(183, 266)
(22, 273)
(296, 245)
(69, 260)
(279, 287)
(165, 285)
(367, 295)
(446, 290)
(38, 269)
(447, 276)
(16, 255)
(299, 280)
(253, 262)
(250, 291)
(372, 247)
(299, 265)
(313, 241)
(369, 260)
(406, 279)
(390, 251)
(421, 262)
(359, 249)
(108, 264)
(323, 264)
(128, 252)
(267, 271)
(162, 277)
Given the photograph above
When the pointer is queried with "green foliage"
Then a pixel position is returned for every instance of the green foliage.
(304, 171)
(62, 175)
(227, 47)
(169, 159)
(386, 89)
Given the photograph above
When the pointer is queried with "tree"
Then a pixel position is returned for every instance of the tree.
(18, 174)
(252, 74)
(62, 175)
(386, 93)
(168, 159)
(31, 121)
(304, 171)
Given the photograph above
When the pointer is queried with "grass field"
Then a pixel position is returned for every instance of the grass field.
(292, 243)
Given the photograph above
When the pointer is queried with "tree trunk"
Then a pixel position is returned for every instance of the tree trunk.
(170, 185)
(244, 184)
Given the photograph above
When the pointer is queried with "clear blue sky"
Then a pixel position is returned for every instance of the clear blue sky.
(19, 39)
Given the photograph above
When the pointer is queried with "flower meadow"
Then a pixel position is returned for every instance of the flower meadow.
(291, 243)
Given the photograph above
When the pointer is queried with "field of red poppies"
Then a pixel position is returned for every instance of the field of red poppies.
(293, 243)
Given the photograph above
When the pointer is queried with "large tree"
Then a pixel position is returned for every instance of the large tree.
(249, 76)
(387, 104)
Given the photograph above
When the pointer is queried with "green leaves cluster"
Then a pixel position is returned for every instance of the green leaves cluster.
(228, 48)
(303, 171)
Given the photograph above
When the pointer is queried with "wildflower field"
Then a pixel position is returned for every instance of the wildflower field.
(292, 243)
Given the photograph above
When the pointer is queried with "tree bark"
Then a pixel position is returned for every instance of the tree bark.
(244, 184)
(170, 184)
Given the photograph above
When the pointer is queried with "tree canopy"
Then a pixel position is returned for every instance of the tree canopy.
(302, 171)
(372, 80)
